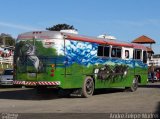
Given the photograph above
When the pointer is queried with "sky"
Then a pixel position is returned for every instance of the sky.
(124, 19)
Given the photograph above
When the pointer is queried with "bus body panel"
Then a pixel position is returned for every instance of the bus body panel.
(69, 61)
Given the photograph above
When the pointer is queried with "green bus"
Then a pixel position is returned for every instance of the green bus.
(53, 59)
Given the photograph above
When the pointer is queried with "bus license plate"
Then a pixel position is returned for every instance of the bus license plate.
(32, 74)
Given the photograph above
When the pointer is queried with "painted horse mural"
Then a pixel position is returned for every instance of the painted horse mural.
(108, 73)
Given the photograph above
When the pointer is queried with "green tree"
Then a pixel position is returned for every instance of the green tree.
(42, 51)
(59, 27)
(6, 39)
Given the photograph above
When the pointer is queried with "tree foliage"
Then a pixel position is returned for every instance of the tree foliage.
(8, 39)
(42, 51)
(59, 27)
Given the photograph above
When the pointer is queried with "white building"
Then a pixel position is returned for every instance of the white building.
(155, 60)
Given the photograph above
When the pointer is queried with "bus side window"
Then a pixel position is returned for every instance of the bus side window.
(106, 51)
(126, 54)
(103, 51)
(116, 52)
(113, 54)
(137, 54)
(144, 57)
(100, 51)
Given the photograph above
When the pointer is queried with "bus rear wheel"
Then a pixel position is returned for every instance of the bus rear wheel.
(88, 87)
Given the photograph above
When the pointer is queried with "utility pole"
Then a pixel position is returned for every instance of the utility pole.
(4, 41)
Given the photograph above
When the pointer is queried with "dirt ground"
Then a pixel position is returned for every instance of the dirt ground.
(25, 100)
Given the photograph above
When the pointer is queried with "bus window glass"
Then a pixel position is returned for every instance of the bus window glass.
(126, 54)
(137, 54)
(144, 57)
(103, 51)
(116, 52)
(106, 51)
(113, 54)
(100, 51)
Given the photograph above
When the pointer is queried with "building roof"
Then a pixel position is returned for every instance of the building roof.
(149, 49)
(143, 40)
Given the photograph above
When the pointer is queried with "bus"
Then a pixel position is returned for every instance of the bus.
(65, 61)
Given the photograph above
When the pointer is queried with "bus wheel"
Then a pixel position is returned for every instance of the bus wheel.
(88, 87)
(134, 85)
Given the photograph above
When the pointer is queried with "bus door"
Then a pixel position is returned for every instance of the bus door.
(127, 56)
(140, 59)
(68, 51)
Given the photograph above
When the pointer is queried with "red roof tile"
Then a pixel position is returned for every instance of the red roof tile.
(149, 49)
(143, 39)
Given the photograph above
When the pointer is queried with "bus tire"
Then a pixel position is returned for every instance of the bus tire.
(134, 86)
(88, 87)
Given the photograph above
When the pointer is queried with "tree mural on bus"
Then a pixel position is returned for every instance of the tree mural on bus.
(42, 51)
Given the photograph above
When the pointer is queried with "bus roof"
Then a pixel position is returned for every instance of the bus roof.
(41, 34)
(104, 41)
(60, 35)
